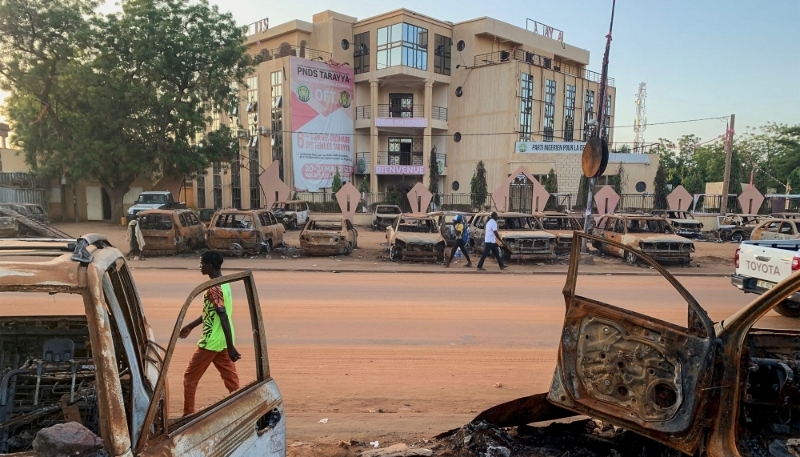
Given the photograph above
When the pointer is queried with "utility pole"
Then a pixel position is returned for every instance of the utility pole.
(726, 178)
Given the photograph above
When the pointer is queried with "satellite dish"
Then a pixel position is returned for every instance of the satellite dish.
(345, 44)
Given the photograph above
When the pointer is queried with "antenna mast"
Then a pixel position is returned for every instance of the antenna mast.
(640, 124)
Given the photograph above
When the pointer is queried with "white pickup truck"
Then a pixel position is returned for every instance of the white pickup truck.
(762, 264)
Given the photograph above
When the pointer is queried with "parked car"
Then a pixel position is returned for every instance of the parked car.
(415, 236)
(650, 234)
(777, 229)
(18, 208)
(384, 216)
(682, 222)
(738, 227)
(521, 236)
(37, 213)
(8, 227)
(562, 225)
(760, 265)
(153, 199)
(171, 231)
(236, 231)
(328, 236)
(93, 359)
(703, 389)
(291, 214)
(445, 220)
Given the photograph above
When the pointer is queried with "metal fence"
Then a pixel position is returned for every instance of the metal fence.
(23, 195)
(636, 202)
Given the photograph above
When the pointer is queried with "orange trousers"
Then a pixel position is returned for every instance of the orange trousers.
(198, 365)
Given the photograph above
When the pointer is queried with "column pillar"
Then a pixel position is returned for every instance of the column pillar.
(426, 139)
(373, 139)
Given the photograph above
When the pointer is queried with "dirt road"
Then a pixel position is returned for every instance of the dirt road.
(403, 356)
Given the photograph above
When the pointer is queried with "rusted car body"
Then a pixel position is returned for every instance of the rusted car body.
(8, 227)
(445, 220)
(683, 223)
(237, 231)
(562, 225)
(738, 227)
(291, 214)
(415, 236)
(168, 231)
(650, 234)
(328, 236)
(521, 236)
(95, 360)
(384, 216)
(717, 390)
(777, 229)
(37, 213)
(786, 215)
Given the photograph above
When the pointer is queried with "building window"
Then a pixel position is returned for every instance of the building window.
(549, 109)
(588, 114)
(217, 178)
(201, 191)
(255, 172)
(361, 53)
(607, 118)
(401, 105)
(569, 113)
(252, 106)
(400, 151)
(402, 44)
(276, 82)
(441, 53)
(525, 107)
(236, 183)
(233, 111)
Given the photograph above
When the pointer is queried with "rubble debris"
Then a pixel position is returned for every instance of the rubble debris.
(323, 421)
(397, 450)
(70, 438)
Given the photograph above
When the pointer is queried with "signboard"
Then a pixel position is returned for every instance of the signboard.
(258, 26)
(399, 170)
(547, 147)
(417, 122)
(322, 123)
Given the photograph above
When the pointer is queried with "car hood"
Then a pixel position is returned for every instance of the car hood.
(658, 237)
(520, 234)
(419, 238)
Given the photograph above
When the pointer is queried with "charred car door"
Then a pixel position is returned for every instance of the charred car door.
(632, 370)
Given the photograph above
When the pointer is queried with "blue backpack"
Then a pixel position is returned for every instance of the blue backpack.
(465, 233)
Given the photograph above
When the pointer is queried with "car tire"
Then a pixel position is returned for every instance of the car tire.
(395, 253)
(788, 308)
(349, 249)
(236, 249)
(266, 248)
(631, 258)
(440, 256)
(737, 237)
(293, 225)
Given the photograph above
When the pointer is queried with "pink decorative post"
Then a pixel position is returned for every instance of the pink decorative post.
(501, 194)
(606, 200)
(750, 200)
(348, 198)
(679, 199)
(274, 189)
(419, 197)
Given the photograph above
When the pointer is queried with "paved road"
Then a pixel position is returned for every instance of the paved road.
(425, 349)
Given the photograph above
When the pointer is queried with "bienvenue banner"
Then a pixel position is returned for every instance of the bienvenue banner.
(534, 147)
(322, 122)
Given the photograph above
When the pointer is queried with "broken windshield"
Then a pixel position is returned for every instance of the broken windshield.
(151, 199)
(418, 226)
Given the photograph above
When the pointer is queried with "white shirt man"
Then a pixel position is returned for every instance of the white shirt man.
(491, 228)
(490, 243)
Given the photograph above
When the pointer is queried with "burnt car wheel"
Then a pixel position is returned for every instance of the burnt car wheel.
(737, 237)
(292, 224)
(266, 248)
(395, 253)
(236, 249)
(349, 249)
(440, 256)
(788, 309)
(631, 258)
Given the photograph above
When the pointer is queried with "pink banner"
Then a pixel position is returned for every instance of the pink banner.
(399, 170)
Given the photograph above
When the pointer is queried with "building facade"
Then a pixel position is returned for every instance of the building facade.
(424, 91)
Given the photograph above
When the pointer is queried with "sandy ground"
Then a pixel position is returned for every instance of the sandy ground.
(372, 256)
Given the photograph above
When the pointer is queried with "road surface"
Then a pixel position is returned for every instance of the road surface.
(392, 356)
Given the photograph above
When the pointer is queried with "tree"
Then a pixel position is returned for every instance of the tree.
(551, 186)
(583, 193)
(336, 185)
(660, 184)
(121, 96)
(364, 186)
(478, 186)
(624, 149)
(433, 176)
(619, 180)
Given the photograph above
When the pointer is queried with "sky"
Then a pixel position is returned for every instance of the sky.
(699, 58)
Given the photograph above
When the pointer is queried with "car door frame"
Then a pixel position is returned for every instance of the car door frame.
(697, 343)
(353, 232)
(262, 370)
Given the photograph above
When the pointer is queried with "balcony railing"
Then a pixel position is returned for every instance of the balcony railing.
(539, 61)
(294, 51)
(400, 158)
(363, 112)
(439, 113)
(401, 111)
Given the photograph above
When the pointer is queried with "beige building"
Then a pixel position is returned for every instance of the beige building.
(465, 92)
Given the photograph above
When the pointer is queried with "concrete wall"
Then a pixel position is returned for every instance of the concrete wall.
(12, 160)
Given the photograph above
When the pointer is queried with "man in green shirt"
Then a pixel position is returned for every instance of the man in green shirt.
(216, 342)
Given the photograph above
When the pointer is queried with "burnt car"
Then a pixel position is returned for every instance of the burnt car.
(786, 215)
(168, 231)
(562, 225)
(37, 213)
(725, 389)
(683, 223)
(738, 227)
(237, 231)
(650, 234)
(8, 227)
(18, 208)
(328, 236)
(520, 236)
(776, 229)
(446, 226)
(76, 347)
(415, 236)
(291, 214)
(384, 216)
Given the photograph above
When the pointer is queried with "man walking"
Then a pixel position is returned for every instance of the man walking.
(490, 243)
(462, 238)
(216, 342)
